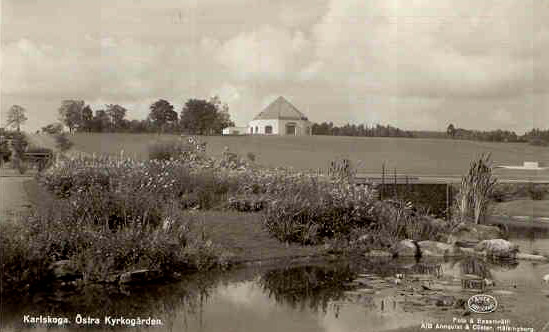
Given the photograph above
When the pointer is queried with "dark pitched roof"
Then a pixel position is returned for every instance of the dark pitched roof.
(280, 109)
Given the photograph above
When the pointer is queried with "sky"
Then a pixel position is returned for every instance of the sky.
(413, 64)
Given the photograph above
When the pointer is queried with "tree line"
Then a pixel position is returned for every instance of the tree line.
(197, 117)
(328, 128)
(210, 117)
(534, 136)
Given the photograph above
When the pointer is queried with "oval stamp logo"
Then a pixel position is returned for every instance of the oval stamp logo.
(482, 303)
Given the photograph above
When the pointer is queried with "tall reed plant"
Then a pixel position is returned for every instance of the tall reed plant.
(476, 188)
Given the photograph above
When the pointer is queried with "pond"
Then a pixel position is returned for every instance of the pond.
(355, 295)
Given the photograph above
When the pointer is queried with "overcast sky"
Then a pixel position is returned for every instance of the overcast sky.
(414, 64)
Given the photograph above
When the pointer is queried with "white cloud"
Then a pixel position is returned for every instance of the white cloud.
(266, 53)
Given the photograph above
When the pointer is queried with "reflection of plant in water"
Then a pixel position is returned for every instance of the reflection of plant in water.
(312, 286)
(426, 268)
(161, 301)
(475, 266)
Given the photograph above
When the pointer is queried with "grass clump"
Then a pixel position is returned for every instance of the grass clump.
(476, 190)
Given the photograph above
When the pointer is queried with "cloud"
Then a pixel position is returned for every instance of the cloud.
(33, 69)
(266, 53)
(448, 50)
(410, 63)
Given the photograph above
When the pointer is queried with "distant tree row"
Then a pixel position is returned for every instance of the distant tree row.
(328, 128)
(535, 136)
(480, 135)
(198, 116)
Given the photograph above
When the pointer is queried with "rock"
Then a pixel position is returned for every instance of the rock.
(444, 301)
(378, 253)
(460, 303)
(64, 270)
(498, 249)
(530, 257)
(468, 234)
(406, 248)
(438, 249)
(139, 276)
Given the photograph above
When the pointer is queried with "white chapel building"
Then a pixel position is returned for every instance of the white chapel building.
(280, 118)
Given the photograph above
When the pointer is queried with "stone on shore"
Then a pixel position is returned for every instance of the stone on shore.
(469, 234)
(498, 248)
(405, 248)
(139, 276)
(64, 270)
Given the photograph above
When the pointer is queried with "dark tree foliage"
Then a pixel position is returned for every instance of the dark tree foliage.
(162, 114)
(116, 115)
(87, 119)
(203, 117)
(328, 128)
(451, 130)
(101, 121)
(537, 137)
(70, 113)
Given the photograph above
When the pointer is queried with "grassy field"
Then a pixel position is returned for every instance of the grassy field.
(408, 156)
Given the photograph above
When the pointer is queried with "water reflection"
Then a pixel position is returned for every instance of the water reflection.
(307, 286)
(347, 296)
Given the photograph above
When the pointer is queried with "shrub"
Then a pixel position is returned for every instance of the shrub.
(251, 157)
(62, 142)
(342, 170)
(189, 149)
(5, 151)
(30, 245)
(309, 216)
(536, 192)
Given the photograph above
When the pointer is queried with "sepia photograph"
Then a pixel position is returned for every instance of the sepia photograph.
(274, 165)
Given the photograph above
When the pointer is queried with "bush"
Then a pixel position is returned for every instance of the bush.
(187, 149)
(251, 156)
(308, 217)
(62, 142)
(5, 151)
(536, 192)
(30, 245)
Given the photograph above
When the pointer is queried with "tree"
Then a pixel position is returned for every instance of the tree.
(204, 117)
(101, 121)
(116, 115)
(70, 113)
(451, 131)
(16, 117)
(223, 118)
(162, 113)
(87, 118)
